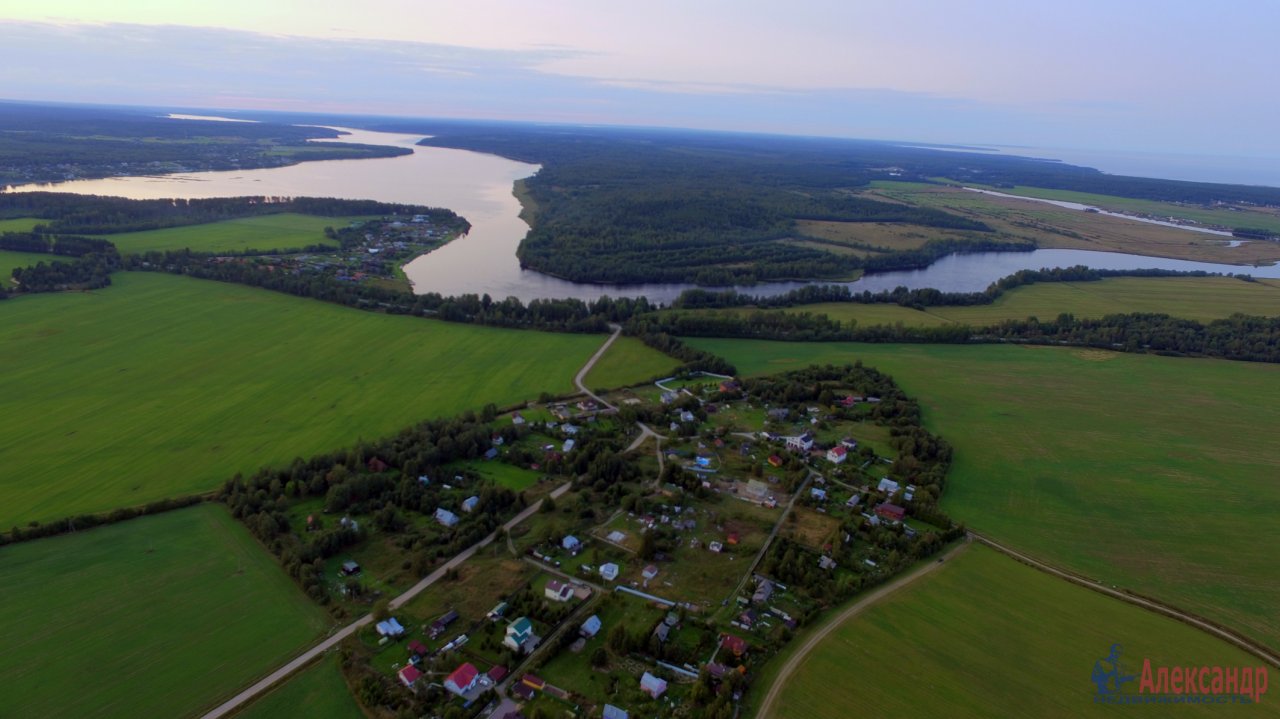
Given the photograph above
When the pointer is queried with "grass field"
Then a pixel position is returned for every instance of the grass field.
(1152, 473)
(158, 616)
(9, 261)
(268, 232)
(1055, 227)
(986, 636)
(1197, 298)
(627, 362)
(888, 235)
(19, 224)
(163, 385)
(318, 692)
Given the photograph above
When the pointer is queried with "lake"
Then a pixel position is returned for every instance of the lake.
(479, 187)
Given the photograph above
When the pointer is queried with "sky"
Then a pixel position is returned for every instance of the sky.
(1142, 76)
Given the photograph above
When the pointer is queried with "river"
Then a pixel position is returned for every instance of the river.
(479, 187)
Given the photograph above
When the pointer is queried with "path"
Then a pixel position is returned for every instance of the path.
(777, 527)
(582, 373)
(314, 652)
(1248, 645)
(784, 673)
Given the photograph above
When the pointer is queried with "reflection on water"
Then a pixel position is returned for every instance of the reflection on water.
(479, 187)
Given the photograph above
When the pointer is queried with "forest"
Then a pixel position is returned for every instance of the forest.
(51, 144)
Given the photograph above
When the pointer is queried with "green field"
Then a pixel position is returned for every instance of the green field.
(318, 692)
(986, 636)
(1196, 298)
(627, 362)
(162, 385)
(1152, 473)
(19, 224)
(9, 261)
(155, 617)
(284, 231)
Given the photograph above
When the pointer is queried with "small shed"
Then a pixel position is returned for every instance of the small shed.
(653, 686)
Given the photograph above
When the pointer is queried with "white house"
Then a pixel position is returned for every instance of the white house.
(463, 679)
(653, 686)
(558, 591)
(609, 571)
(470, 503)
(445, 517)
(571, 543)
(887, 486)
(837, 455)
(802, 443)
(591, 627)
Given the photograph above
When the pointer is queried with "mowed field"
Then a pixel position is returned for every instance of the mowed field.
(627, 362)
(162, 385)
(986, 636)
(1196, 298)
(284, 231)
(1158, 474)
(317, 692)
(160, 616)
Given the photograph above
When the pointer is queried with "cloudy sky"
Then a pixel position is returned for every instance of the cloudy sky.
(1138, 75)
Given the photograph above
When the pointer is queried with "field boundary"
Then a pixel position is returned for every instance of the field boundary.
(1232, 637)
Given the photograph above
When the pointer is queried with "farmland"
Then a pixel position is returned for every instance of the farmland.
(318, 692)
(1170, 463)
(987, 636)
(161, 386)
(19, 224)
(284, 231)
(628, 361)
(1196, 298)
(185, 603)
(1055, 227)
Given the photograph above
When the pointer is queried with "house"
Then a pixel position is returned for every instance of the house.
(523, 692)
(775, 460)
(570, 429)
(470, 503)
(716, 547)
(853, 501)
(717, 670)
(801, 443)
(498, 611)
(649, 572)
(653, 686)
(446, 518)
(850, 401)
(418, 648)
(734, 645)
(818, 494)
(910, 492)
(686, 416)
(849, 443)
(729, 386)
(440, 625)
(888, 486)
(558, 591)
(571, 543)
(350, 568)
(825, 562)
(612, 712)
(764, 592)
(609, 571)
(463, 679)
(377, 465)
(409, 675)
(533, 682)
(731, 539)
(591, 627)
(779, 414)
(748, 618)
(492, 453)
(837, 455)
(662, 631)
(891, 512)
(668, 397)
(497, 439)
(517, 419)
(389, 628)
(519, 634)
(568, 446)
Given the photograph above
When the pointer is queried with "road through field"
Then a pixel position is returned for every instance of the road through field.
(313, 653)
(780, 681)
(582, 373)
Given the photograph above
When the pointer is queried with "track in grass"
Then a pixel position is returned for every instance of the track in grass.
(986, 636)
(1152, 473)
(160, 386)
(157, 616)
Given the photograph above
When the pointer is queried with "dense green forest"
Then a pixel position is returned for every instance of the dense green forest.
(50, 144)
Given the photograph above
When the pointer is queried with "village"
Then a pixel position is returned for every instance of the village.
(734, 521)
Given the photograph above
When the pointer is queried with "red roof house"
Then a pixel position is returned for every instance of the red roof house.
(891, 511)
(737, 645)
(409, 675)
(417, 647)
(463, 679)
(497, 673)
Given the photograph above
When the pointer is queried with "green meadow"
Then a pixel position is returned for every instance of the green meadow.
(161, 385)
(19, 224)
(10, 261)
(285, 231)
(627, 362)
(317, 692)
(161, 616)
(985, 636)
(1152, 473)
